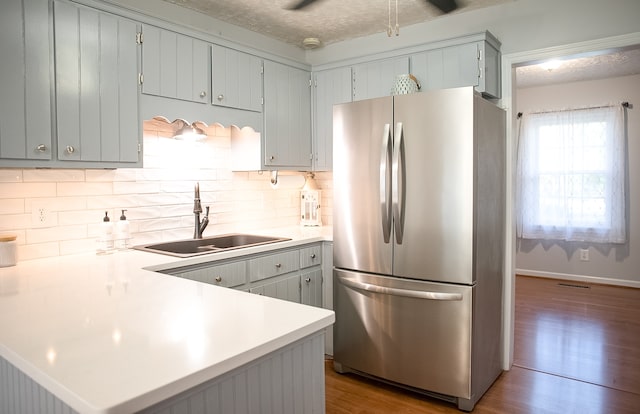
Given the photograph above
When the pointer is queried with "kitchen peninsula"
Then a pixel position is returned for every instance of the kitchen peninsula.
(102, 334)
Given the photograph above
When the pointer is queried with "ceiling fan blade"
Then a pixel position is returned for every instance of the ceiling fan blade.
(301, 4)
(445, 6)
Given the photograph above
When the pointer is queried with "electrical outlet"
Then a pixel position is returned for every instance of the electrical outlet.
(584, 255)
(40, 216)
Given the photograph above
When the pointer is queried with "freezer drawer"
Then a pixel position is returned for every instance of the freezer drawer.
(410, 332)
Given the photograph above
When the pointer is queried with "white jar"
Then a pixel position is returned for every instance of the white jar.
(8, 250)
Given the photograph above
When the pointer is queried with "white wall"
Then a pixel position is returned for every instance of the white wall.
(158, 197)
(608, 263)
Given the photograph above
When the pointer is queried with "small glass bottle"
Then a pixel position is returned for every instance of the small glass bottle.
(105, 239)
(122, 233)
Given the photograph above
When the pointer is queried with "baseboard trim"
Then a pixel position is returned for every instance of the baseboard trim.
(580, 278)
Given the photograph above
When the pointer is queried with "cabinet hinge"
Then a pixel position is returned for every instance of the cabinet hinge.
(139, 38)
(139, 148)
(262, 100)
(311, 156)
(310, 82)
(140, 78)
(262, 70)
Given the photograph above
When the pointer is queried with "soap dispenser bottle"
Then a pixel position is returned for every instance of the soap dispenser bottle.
(105, 239)
(123, 234)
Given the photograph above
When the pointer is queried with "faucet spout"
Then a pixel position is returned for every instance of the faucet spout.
(197, 209)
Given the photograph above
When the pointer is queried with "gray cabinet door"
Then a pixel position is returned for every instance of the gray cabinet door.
(287, 117)
(285, 289)
(25, 80)
(376, 79)
(332, 86)
(174, 65)
(469, 64)
(236, 79)
(96, 85)
(311, 287)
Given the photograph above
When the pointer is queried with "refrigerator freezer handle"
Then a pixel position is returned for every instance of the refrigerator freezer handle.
(408, 293)
(385, 183)
(398, 178)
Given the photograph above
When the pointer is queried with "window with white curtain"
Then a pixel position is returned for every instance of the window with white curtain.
(571, 175)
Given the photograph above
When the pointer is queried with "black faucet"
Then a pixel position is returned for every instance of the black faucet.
(197, 209)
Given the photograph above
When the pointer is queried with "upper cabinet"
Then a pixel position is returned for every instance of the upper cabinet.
(174, 65)
(97, 90)
(236, 79)
(475, 62)
(287, 117)
(25, 81)
(332, 86)
(376, 78)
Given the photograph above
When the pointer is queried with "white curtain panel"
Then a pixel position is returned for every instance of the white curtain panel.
(571, 175)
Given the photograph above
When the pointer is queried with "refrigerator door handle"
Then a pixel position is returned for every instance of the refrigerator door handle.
(408, 293)
(385, 183)
(397, 192)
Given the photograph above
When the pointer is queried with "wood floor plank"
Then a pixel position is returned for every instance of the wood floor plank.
(577, 350)
(589, 333)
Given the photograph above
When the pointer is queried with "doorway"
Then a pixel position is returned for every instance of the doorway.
(509, 98)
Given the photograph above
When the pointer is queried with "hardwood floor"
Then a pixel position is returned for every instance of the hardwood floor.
(577, 350)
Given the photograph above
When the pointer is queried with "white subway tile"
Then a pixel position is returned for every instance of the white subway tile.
(13, 222)
(57, 233)
(53, 175)
(10, 175)
(38, 251)
(88, 189)
(57, 203)
(68, 247)
(12, 206)
(136, 187)
(23, 190)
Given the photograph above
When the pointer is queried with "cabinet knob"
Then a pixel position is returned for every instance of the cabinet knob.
(218, 279)
(220, 97)
(278, 265)
(308, 280)
(41, 148)
(313, 256)
(69, 149)
(273, 157)
(203, 94)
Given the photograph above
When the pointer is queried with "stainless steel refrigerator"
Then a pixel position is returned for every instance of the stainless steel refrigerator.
(418, 222)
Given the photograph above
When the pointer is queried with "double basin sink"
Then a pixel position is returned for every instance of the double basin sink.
(207, 245)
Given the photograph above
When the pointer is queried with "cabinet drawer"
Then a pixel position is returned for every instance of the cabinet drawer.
(310, 256)
(225, 275)
(273, 265)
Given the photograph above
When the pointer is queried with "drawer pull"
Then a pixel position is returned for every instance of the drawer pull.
(308, 280)
(218, 279)
(203, 94)
(41, 148)
(220, 97)
(278, 265)
(70, 150)
(313, 256)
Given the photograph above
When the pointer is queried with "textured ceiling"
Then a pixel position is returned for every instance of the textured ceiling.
(599, 66)
(328, 20)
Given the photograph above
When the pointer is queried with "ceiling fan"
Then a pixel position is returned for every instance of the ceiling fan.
(445, 6)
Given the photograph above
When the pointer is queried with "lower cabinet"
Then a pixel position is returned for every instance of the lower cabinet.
(293, 274)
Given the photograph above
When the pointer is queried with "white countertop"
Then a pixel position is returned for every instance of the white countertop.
(107, 336)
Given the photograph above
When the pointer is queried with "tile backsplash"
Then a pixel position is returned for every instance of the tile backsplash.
(158, 198)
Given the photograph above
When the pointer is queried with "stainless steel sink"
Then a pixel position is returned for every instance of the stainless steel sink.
(208, 245)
